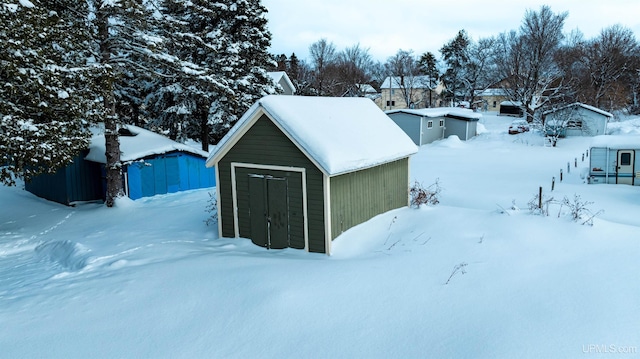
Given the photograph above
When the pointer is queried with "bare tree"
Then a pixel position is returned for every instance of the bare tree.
(609, 62)
(354, 66)
(480, 71)
(527, 60)
(323, 59)
(405, 73)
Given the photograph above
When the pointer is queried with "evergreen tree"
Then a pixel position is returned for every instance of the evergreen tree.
(127, 48)
(456, 55)
(222, 46)
(44, 105)
(250, 39)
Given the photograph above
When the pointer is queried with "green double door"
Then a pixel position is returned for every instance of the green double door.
(269, 211)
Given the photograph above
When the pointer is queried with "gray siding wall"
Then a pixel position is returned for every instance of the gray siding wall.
(265, 144)
(434, 133)
(358, 196)
(410, 124)
(594, 124)
(461, 128)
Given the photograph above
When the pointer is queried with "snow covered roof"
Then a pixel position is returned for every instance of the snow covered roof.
(366, 88)
(440, 112)
(416, 81)
(491, 92)
(140, 144)
(279, 75)
(590, 108)
(510, 103)
(340, 134)
(617, 142)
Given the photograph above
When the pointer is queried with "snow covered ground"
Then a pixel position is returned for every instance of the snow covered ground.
(150, 279)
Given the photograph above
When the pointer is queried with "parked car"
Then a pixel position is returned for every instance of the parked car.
(518, 126)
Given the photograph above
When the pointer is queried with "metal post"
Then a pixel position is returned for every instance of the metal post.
(540, 198)
(553, 183)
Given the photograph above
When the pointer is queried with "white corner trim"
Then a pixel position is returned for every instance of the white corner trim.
(326, 184)
(218, 198)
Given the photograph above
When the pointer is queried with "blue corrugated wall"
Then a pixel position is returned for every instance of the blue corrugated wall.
(77, 182)
(168, 174)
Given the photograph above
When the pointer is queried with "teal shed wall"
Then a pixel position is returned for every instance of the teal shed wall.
(168, 173)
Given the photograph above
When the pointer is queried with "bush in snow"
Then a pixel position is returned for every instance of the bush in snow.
(421, 195)
(212, 209)
(578, 209)
(534, 205)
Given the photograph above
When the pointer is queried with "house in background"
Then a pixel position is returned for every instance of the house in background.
(615, 159)
(152, 164)
(281, 78)
(576, 119)
(423, 91)
(490, 99)
(430, 124)
(297, 171)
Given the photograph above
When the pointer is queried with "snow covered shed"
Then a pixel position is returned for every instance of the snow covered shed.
(297, 171)
(511, 108)
(576, 119)
(615, 159)
(153, 164)
(80, 181)
(426, 125)
(281, 78)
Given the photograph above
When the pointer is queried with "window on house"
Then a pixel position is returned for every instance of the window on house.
(494, 104)
(391, 103)
(574, 124)
(441, 123)
(430, 124)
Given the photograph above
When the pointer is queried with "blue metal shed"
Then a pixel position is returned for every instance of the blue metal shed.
(77, 182)
(167, 173)
(152, 164)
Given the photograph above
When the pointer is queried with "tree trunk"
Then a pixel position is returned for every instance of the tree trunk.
(113, 166)
(204, 132)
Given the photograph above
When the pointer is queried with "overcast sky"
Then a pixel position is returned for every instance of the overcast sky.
(424, 25)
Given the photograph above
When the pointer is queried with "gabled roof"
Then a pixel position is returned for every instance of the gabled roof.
(417, 82)
(279, 75)
(440, 112)
(590, 108)
(139, 144)
(490, 92)
(339, 134)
